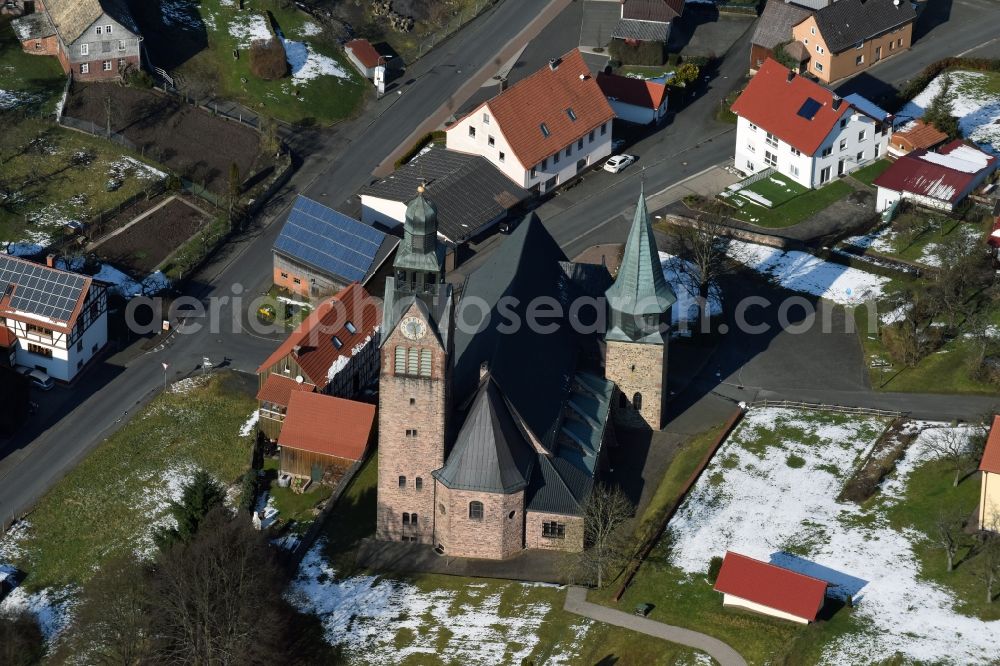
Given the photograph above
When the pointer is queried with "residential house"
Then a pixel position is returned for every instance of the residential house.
(634, 100)
(916, 135)
(363, 56)
(491, 439)
(795, 126)
(989, 493)
(849, 36)
(94, 40)
(334, 351)
(470, 194)
(55, 320)
(647, 20)
(936, 180)
(768, 589)
(320, 251)
(322, 436)
(545, 129)
(774, 27)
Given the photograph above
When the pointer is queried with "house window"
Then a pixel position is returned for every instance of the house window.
(771, 140)
(579, 144)
(413, 401)
(553, 530)
(859, 45)
(892, 45)
(38, 44)
(637, 401)
(555, 158)
(878, 149)
(843, 144)
(351, 328)
(899, 42)
(591, 139)
(337, 342)
(296, 281)
(804, 41)
(402, 482)
(40, 350)
(486, 119)
(794, 170)
(545, 130)
(796, 152)
(827, 151)
(413, 519)
(121, 44)
(406, 518)
(860, 60)
(812, 31)
(569, 150)
(861, 156)
(861, 135)
(818, 65)
(107, 29)
(411, 432)
(819, 49)
(107, 65)
(770, 159)
(98, 30)
(502, 156)
(79, 345)
(751, 148)
(750, 166)
(545, 164)
(843, 122)
(472, 132)
(753, 128)
(84, 49)
(571, 114)
(39, 330)
(510, 516)
(824, 175)
(490, 141)
(534, 172)
(85, 68)
(418, 483)
(604, 129)
(284, 276)
(475, 510)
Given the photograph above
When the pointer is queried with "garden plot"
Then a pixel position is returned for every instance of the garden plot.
(975, 102)
(801, 271)
(770, 493)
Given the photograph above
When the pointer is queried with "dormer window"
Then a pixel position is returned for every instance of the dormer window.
(337, 342)
(545, 130)
(351, 328)
(571, 114)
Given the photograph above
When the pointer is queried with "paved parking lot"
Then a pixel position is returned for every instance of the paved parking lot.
(703, 31)
(599, 19)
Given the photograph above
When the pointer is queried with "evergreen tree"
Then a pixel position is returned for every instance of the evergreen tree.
(940, 113)
(199, 496)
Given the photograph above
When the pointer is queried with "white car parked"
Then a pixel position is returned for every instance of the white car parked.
(618, 162)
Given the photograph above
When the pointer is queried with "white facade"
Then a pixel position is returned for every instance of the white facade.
(388, 213)
(739, 602)
(479, 134)
(641, 115)
(852, 143)
(367, 72)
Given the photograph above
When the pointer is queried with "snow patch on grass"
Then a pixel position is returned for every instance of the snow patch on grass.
(309, 29)
(154, 501)
(977, 109)
(306, 64)
(247, 28)
(188, 384)
(53, 608)
(250, 424)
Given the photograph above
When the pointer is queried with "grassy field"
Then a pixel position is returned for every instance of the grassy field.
(40, 78)
(793, 210)
(869, 173)
(105, 505)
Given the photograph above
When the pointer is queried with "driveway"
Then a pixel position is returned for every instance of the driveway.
(703, 31)
(599, 19)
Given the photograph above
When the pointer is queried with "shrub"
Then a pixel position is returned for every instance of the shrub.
(714, 566)
(421, 143)
(268, 60)
(643, 53)
(795, 461)
(249, 490)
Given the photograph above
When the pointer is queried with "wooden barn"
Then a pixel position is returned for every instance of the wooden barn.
(322, 434)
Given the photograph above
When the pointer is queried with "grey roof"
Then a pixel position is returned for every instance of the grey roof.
(592, 279)
(846, 22)
(640, 287)
(776, 22)
(468, 190)
(491, 454)
(33, 26)
(653, 10)
(644, 31)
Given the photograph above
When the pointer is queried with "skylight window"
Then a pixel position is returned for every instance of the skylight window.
(545, 130)
(350, 328)
(809, 108)
(571, 113)
(337, 342)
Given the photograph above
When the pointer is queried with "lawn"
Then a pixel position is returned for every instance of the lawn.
(645, 71)
(434, 619)
(35, 81)
(775, 188)
(794, 210)
(869, 173)
(196, 41)
(109, 503)
(917, 235)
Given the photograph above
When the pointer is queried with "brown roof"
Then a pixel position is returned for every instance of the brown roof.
(770, 585)
(313, 344)
(638, 92)
(323, 424)
(991, 454)
(920, 135)
(7, 337)
(364, 51)
(72, 17)
(546, 98)
(663, 11)
(278, 389)
(797, 51)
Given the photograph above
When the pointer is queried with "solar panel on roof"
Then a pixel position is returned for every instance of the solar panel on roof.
(40, 290)
(809, 108)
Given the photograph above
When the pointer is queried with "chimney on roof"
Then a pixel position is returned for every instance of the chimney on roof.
(296, 350)
(503, 83)
(50, 261)
(837, 101)
(554, 63)
(791, 75)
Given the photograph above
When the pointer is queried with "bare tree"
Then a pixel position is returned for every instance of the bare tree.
(948, 534)
(986, 566)
(702, 244)
(21, 642)
(606, 537)
(955, 446)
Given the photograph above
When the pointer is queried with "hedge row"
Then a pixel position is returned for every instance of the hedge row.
(421, 143)
(922, 80)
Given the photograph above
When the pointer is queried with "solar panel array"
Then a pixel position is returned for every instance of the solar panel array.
(809, 108)
(328, 240)
(41, 290)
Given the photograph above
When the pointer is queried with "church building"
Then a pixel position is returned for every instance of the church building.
(493, 432)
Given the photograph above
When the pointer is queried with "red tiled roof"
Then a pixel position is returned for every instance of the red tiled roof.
(772, 102)
(323, 424)
(661, 11)
(7, 337)
(991, 454)
(772, 586)
(638, 92)
(919, 173)
(545, 97)
(364, 52)
(314, 336)
(278, 389)
(921, 135)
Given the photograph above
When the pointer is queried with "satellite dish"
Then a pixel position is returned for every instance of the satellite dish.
(298, 379)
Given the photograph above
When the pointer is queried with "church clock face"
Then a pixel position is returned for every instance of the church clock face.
(413, 328)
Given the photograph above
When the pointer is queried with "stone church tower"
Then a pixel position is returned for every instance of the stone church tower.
(639, 328)
(415, 380)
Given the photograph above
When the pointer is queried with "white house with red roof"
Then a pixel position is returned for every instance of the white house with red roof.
(634, 100)
(989, 491)
(936, 180)
(795, 126)
(766, 588)
(545, 129)
(53, 320)
(363, 56)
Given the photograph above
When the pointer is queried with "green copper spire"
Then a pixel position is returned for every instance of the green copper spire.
(420, 250)
(640, 296)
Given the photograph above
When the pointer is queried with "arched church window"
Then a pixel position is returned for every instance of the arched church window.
(402, 481)
(418, 483)
(406, 518)
(637, 401)
(475, 510)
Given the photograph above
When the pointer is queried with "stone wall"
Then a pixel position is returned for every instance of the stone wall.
(637, 368)
(498, 535)
(534, 537)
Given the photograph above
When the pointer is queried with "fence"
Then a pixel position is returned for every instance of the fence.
(89, 127)
(841, 409)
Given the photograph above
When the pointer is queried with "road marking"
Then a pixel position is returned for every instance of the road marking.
(974, 48)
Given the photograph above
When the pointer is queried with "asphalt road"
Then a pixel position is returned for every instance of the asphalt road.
(338, 163)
